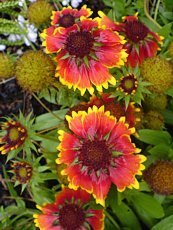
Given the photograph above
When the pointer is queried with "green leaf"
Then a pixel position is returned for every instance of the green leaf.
(86, 61)
(154, 137)
(168, 115)
(162, 151)
(126, 216)
(166, 30)
(148, 204)
(168, 4)
(165, 224)
(169, 91)
(42, 195)
(47, 120)
(13, 193)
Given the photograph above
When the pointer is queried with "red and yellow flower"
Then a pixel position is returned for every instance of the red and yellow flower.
(70, 211)
(98, 152)
(15, 136)
(68, 17)
(85, 52)
(141, 41)
(116, 108)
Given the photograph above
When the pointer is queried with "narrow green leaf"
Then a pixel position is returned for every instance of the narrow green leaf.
(165, 224)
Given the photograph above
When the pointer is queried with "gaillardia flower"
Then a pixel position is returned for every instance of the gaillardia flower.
(141, 41)
(68, 17)
(84, 54)
(6, 66)
(159, 177)
(99, 151)
(116, 108)
(70, 211)
(15, 136)
(130, 86)
(22, 172)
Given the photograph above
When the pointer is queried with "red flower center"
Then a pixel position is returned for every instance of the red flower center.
(71, 217)
(129, 84)
(66, 20)
(136, 31)
(95, 154)
(79, 43)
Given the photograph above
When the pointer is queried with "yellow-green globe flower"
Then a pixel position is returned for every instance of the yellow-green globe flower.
(35, 71)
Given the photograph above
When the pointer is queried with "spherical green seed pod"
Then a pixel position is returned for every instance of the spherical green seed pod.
(155, 101)
(159, 177)
(170, 49)
(39, 12)
(35, 71)
(6, 66)
(153, 120)
(159, 72)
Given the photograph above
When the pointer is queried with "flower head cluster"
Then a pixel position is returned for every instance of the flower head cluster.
(97, 152)
(22, 172)
(116, 108)
(159, 177)
(6, 66)
(39, 13)
(15, 136)
(84, 50)
(70, 211)
(141, 42)
(35, 71)
(130, 86)
(158, 72)
(68, 17)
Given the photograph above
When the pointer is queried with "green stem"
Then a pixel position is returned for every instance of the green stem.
(31, 44)
(112, 220)
(47, 137)
(156, 10)
(20, 198)
(148, 16)
(45, 107)
(6, 80)
(48, 129)
(58, 5)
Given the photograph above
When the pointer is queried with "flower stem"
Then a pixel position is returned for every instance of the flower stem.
(156, 10)
(58, 5)
(148, 16)
(6, 80)
(112, 220)
(48, 129)
(45, 107)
